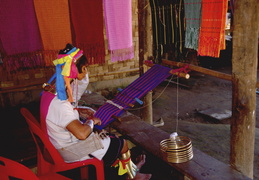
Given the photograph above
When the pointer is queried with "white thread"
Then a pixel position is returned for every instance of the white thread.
(177, 105)
(117, 105)
(173, 135)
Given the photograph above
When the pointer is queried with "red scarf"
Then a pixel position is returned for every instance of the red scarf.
(87, 28)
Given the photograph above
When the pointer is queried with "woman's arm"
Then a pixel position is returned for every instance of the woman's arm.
(82, 131)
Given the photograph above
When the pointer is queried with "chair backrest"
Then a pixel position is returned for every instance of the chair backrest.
(46, 98)
(12, 169)
(48, 151)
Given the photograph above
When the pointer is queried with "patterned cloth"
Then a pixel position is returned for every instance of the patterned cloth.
(87, 28)
(212, 31)
(136, 90)
(192, 10)
(118, 21)
(54, 24)
(20, 38)
(168, 27)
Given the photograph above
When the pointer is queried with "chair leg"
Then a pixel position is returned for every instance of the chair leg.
(84, 172)
(99, 171)
(43, 167)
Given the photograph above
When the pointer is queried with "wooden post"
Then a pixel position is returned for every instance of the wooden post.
(141, 32)
(147, 114)
(144, 30)
(244, 74)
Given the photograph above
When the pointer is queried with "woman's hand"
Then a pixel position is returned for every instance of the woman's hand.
(97, 121)
(85, 113)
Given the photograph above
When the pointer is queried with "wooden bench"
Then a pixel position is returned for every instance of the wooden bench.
(148, 137)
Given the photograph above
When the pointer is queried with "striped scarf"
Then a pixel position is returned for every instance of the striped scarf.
(212, 31)
(54, 24)
(118, 21)
(20, 39)
(192, 10)
(87, 28)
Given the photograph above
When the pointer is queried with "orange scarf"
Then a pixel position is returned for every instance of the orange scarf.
(54, 24)
(212, 31)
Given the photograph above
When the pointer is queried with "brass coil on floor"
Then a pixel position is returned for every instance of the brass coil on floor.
(177, 149)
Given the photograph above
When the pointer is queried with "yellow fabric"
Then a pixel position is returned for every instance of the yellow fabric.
(67, 60)
(121, 170)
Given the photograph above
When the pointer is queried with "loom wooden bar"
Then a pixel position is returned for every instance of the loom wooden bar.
(199, 69)
(148, 137)
(202, 70)
(244, 71)
(184, 75)
(21, 88)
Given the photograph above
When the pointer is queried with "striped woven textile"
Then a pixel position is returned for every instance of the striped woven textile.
(168, 27)
(192, 10)
(20, 40)
(87, 28)
(118, 21)
(54, 24)
(137, 89)
(212, 30)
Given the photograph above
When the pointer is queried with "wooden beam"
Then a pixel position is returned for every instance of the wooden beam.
(21, 88)
(147, 112)
(180, 74)
(199, 69)
(202, 70)
(141, 32)
(148, 137)
(244, 73)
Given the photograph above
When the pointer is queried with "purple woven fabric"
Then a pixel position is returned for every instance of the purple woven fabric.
(137, 89)
(19, 31)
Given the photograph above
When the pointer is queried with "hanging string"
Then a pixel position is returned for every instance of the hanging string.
(177, 104)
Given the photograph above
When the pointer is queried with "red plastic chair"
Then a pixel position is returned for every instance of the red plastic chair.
(12, 169)
(49, 159)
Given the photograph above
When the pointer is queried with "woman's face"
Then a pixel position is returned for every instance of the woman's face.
(80, 76)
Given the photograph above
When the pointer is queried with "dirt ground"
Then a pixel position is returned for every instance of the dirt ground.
(179, 107)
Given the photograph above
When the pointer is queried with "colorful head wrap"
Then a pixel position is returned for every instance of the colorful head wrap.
(65, 69)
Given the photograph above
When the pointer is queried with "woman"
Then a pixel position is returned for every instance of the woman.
(77, 141)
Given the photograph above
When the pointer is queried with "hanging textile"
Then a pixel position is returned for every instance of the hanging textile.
(231, 4)
(192, 10)
(158, 26)
(168, 28)
(212, 31)
(19, 35)
(136, 90)
(87, 28)
(118, 21)
(54, 24)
